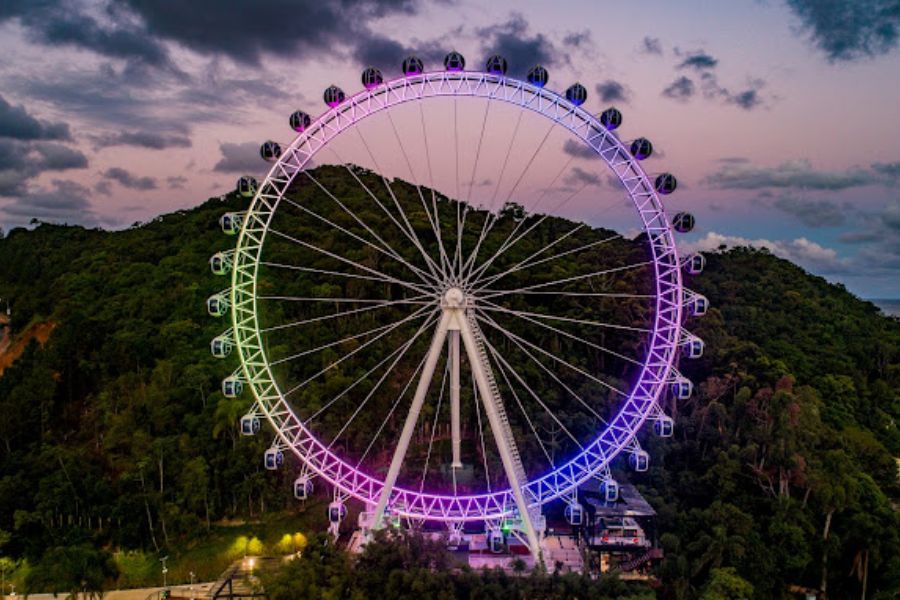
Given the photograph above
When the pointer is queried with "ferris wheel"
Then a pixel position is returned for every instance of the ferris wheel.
(445, 346)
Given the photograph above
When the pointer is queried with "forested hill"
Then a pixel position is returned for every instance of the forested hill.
(114, 431)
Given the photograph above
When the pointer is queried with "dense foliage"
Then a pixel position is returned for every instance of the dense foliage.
(411, 567)
(115, 434)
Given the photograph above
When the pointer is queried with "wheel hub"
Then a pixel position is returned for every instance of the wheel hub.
(454, 297)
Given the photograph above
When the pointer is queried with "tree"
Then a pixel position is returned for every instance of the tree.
(324, 572)
(74, 570)
(726, 584)
(835, 487)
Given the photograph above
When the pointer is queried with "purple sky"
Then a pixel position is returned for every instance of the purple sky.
(779, 119)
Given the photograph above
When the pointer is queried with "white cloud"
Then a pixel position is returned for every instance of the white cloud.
(801, 251)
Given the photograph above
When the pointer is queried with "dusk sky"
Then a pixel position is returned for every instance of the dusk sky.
(780, 119)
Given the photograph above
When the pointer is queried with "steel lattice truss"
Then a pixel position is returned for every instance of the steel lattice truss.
(656, 373)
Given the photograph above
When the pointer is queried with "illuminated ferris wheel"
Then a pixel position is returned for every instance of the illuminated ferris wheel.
(463, 356)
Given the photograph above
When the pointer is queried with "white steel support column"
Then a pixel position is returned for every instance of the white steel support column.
(509, 455)
(455, 435)
(434, 352)
(458, 324)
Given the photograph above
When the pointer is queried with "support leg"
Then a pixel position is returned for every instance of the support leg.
(454, 399)
(509, 455)
(412, 417)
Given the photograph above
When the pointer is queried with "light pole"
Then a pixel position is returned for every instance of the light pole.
(192, 585)
(164, 569)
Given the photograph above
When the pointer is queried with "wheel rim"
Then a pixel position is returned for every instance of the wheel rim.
(658, 365)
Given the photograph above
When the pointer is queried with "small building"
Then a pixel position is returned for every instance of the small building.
(620, 535)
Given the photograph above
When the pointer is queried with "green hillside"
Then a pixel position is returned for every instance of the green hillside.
(114, 434)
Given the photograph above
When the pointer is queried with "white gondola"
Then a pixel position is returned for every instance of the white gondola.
(217, 305)
(609, 489)
(698, 305)
(246, 186)
(337, 511)
(682, 388)
(639, 460)
(232, 387)
(220, 263)
(220, 347)
(250, 425)
(303, 487)
(230, 223)
(273, 459)
(574, 513)
(695, 263)
(664, 426)
(693, 347)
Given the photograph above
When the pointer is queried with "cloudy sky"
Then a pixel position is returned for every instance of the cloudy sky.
(779, 117)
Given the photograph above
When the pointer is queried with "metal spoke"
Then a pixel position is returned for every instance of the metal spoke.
(522, 313)
(341, 341)
(515, 230)
(525, 264)
(465, 212)
(368, 191)
(413, 237)
(457, 255)
(518, 340)
(402, 348)
(525, 317)
(537, 399)
(524, 261)
(515, 396)
(431, 177)
(581, 294)
(432, 219)
(381, 380)
(565, 280)
(343, 300)
(408, 232)
(507, 244)
(490, 217)
(385, 248)
(437, 412)
(337, 315)
(402, 393)
(359, 348)
(352, 263)
(487, 473)
(512, 142)
(323, 271)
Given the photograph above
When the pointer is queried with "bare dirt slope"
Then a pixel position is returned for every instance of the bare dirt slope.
(11, 347)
